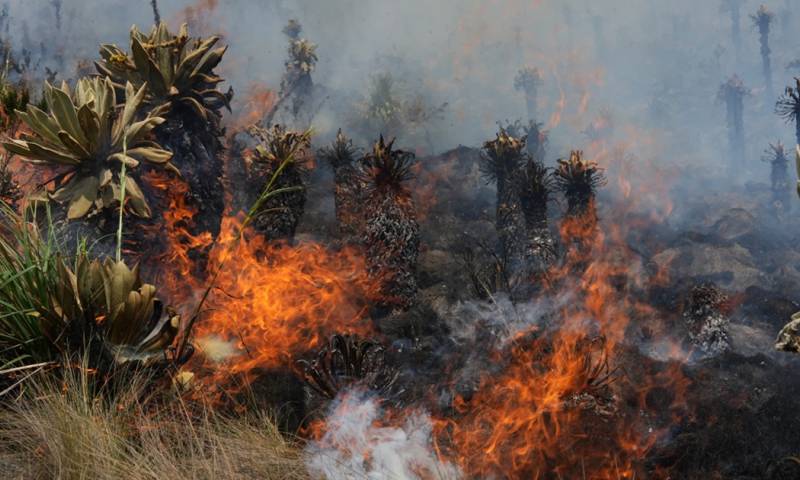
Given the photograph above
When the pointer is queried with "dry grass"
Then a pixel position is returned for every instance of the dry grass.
(62, 430)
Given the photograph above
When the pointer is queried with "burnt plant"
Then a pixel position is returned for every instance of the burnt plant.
(778, 160)
(383, 112)
(302, 59)
(341, 155)
(536, 185)
(348, 361)
(182, 87)
(535, 137)
(732, 93)
(280, 154)
(502, 162)
(578, 179)
(788, 107)
(391, 233)
(762, 20)
(10, 193)
(528, 81)
(705, 317)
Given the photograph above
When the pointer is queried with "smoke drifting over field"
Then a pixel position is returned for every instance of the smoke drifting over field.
(653, 66)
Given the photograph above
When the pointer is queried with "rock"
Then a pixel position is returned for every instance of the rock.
(729, 266)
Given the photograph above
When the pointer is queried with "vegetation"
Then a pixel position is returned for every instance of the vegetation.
(502, 161)
(348, 360)
(388, 111)
(57, 306)
(732, 93)
(10, 192)
(788, 107)
(280, 157)
(536, 186)
(528, 81)
(65, 429)
(578, 179)
(391, 234)
(762, 20)
(84, 136)
(341, 155)
(535, 137)
(302, 59)
(178, 70)
(776, 156)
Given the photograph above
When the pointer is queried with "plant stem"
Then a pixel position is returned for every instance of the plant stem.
(121, 197)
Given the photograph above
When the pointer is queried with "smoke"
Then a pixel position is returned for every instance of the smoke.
(355, 445)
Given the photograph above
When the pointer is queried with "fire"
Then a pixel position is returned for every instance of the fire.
(531, 420)
(259, 100)
(275, 301)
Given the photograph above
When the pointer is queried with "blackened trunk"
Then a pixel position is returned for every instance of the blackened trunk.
(530, 104)
(510, 224)
(766, 65)
(348, 192)
(198, 154)
(391, 238)
(279, 216)
(735, 107)
(540, 252)
(797, 130)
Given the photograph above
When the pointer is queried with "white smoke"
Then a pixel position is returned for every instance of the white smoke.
(355, 445)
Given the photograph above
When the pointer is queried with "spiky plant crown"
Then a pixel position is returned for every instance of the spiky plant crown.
(528, 79)
(302, 57)
(536, 185)
(776, 154)
(762, 18)
(382, 104)
(278, 145)
(84, 134)
(734, 86)
(345, 361)
(533, 133)
(293, 29)
(112, 301)
(341, 152)
(578, 178)
(387, 170)
(788, 105)
(503, 155)
(179, 71)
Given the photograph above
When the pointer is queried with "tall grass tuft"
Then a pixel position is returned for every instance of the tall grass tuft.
(65, 429)
(28, 273)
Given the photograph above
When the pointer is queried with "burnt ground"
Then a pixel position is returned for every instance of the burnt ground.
(737, 418)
